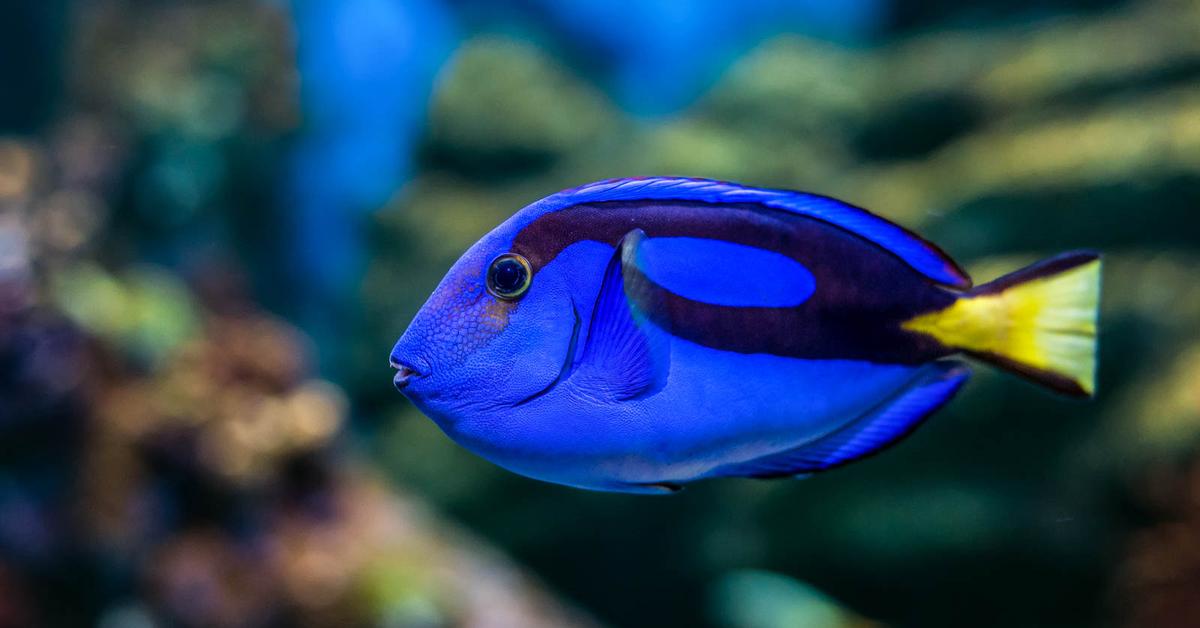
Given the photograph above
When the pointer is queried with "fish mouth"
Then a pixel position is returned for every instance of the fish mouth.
(405, 374)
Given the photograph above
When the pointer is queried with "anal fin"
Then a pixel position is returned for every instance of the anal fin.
(885, 425)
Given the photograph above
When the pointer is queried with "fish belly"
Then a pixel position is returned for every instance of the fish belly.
(721, 408)
(717, 408)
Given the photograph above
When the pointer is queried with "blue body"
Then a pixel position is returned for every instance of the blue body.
(674, 376)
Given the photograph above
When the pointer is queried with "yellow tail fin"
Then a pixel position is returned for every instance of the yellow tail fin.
(1039, 322)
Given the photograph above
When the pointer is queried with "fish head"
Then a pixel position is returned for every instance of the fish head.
(495, 332)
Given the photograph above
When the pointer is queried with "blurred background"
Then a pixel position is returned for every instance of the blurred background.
(216, 217)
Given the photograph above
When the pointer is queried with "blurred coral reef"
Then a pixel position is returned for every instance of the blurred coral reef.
(194, 455)
(1161, 574)
(221, 226)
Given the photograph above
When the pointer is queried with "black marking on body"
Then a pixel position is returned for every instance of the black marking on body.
(863, 292)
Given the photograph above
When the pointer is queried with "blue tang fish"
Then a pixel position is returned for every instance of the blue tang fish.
(638, 334)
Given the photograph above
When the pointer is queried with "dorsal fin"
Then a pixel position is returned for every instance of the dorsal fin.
(922, 256)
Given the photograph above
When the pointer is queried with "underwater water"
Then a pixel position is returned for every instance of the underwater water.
(217, 216)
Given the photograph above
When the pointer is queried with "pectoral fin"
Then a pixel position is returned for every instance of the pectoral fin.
(622, 359)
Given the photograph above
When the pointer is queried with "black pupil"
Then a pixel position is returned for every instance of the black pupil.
(508, 276)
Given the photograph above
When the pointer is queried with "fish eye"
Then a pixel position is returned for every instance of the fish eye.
(509, 276)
